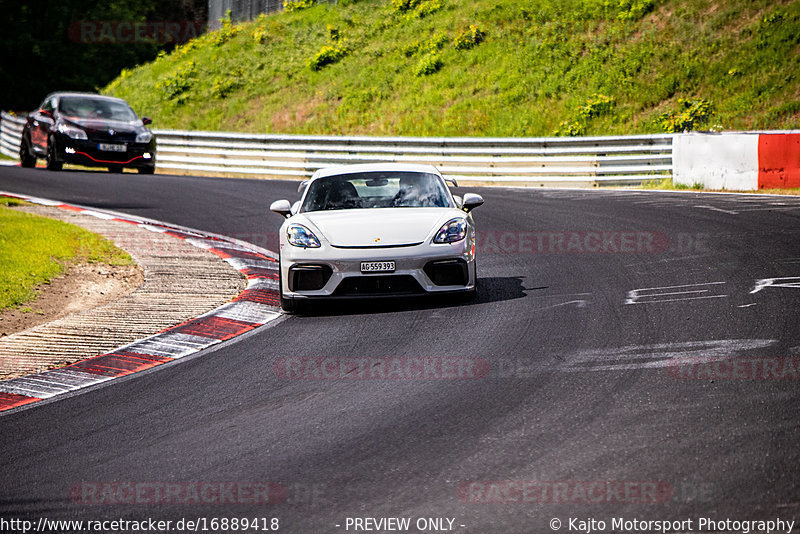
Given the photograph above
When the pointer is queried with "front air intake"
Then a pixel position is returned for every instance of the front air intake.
(308, 277)
(448, 272)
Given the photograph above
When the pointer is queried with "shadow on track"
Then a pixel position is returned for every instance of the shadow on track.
(495, 289)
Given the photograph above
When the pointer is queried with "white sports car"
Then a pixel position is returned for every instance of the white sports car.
(373, 231)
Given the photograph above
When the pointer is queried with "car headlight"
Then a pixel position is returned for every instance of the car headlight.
(71, 131)
(144, 137)
(453, 230)
(300, 236)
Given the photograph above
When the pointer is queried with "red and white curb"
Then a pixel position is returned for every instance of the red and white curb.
(257, 305)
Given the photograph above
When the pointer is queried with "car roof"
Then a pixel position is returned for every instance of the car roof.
(60, 94)
(374, 167)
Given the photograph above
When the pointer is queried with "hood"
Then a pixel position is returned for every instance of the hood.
(105, 124)
(390, 226)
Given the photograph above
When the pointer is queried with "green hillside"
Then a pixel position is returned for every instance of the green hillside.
(484, 67)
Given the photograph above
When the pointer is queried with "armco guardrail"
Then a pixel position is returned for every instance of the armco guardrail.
(10, 134)
(599, 160)
(530, 161)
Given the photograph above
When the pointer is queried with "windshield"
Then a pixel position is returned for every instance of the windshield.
(383, 189)
(96, 108)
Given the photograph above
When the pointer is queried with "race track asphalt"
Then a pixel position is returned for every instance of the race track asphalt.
(598, 313)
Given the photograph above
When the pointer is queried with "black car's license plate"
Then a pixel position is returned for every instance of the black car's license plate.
(106, 147)
(377, 266)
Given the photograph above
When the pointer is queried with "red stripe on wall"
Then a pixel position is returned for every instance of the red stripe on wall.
(778, 161)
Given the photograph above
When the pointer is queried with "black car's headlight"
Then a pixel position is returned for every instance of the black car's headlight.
(300, 236)
(144, 137)
(72, 132)
(452, 231)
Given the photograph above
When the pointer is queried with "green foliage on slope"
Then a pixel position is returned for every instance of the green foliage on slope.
(484, 67)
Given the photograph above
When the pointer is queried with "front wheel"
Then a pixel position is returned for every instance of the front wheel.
(26, 159)
(146, 170)
(287, 305)
(116, 169)
(471, 294)
(52, 163)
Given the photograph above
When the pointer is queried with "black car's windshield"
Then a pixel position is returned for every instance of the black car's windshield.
(96, 108)
(383, 189)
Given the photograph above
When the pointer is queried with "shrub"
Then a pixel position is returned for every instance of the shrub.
(429, 64)
(327, 55)
(570, 128)
(692, 114)
(427, 8)
(595, 106)
(177, 85)
(224, 86)
(416, 8)
(259, 35)
(403, 6)
(227, 32)
(633, 9)
(334, 34)
(469, 38)
(432, 45)
(296, 5)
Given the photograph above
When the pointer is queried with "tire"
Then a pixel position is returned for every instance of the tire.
(470, 295)
(52, 163)
(287, 305)
(26, 159)
(146, 170)
(116, 169)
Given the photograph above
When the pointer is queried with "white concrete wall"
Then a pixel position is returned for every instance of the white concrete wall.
(717, 161)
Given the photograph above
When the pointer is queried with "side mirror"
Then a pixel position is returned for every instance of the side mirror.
(46, 113)
(471, 201)
(147, 120)
(281, 207)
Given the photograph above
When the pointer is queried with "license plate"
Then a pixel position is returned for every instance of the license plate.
(112, 148)
(377, 266)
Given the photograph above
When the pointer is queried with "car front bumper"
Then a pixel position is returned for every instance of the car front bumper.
(87, 153)
(331, 272)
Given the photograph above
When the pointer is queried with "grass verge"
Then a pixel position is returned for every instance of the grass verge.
(34, 250)
(666, 184)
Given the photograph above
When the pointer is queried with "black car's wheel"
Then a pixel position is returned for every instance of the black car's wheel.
(146, 170)
(52, 163)
(26, 158)
(116, 169)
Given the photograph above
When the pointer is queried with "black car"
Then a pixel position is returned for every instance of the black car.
(88, 129)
